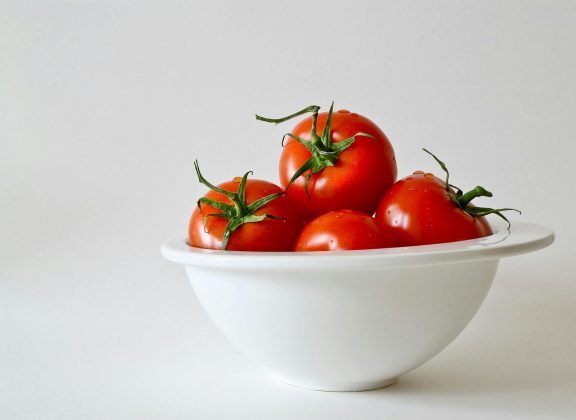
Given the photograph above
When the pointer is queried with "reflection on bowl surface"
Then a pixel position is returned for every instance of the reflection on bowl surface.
(349, 320)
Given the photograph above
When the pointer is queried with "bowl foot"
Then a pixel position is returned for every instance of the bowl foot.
(337, 387)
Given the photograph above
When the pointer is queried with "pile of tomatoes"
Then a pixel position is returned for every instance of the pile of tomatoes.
(338, 191)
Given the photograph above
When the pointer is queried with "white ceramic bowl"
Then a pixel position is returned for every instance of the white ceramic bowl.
(351, 320)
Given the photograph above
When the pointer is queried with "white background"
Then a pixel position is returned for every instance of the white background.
(105, 105)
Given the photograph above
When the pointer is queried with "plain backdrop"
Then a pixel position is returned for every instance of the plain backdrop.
(104, 105)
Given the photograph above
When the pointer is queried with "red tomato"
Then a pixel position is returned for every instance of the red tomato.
(342, 230)
(417, 210)
(272, 227)
(346, 176)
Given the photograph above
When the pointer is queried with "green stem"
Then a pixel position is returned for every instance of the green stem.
(478, 191)
(314, 139)
(312, 108)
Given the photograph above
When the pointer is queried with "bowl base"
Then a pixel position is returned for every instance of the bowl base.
(356, 387)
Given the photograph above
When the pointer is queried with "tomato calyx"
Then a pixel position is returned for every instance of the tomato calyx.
(324, 152)
(462, 200)
(237, 213)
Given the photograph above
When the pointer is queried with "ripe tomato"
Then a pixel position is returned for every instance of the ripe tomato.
(418, 211)
(244, 215)
(423, 209)
(342, 230)
(348, 165)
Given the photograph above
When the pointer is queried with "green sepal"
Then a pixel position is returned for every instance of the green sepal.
(204, 181)
(485, 211)
(343, 145)
(444, 168)
(216, 204)
(242, 187)
(306, 143)
(325, 138)
(307, 166)
(324, 152)
(462, 200)
(240, 212)
(205, 220)
(263, 201)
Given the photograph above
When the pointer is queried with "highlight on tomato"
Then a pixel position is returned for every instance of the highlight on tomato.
(342, 230)
(334, 161)
(422, 209)
(244, 215)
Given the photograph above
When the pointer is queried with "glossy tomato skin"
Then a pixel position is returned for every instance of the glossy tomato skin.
(340, 231)
(359, 178)
(417, 211)
(267, 235)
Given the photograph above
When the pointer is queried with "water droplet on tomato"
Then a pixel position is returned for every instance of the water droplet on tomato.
(429, 175)
(354, 114)
(237, 179)
(418, 172)
(344, 111)
(411, 188)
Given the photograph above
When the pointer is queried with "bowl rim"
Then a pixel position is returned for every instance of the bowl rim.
(520, 238)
